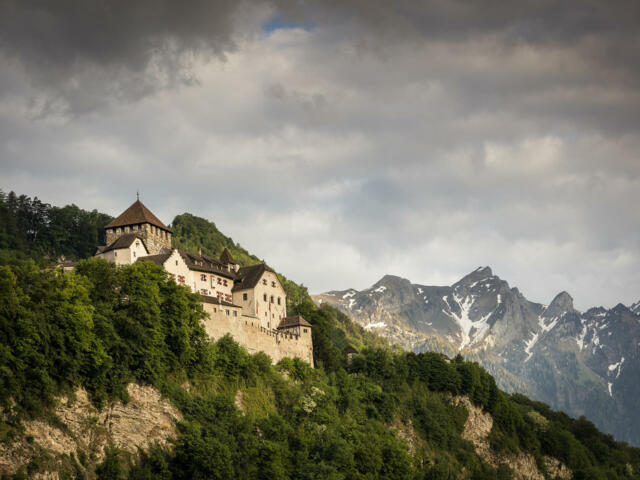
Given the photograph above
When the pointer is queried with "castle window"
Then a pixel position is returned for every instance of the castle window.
(265, 314)
(176, 262)
(227, 312)
(203, 277)
(268, 325)
(271, 298)
(304, 330)
(264, 281)
(115, 254)
(224, 282)
(245, 296)
(235, 313)
(273, 284)
(134, 254)
(265, 297)
(219, 281)
(278, 300)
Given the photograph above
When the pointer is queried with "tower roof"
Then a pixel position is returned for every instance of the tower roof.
(137, 213)
(226, 257)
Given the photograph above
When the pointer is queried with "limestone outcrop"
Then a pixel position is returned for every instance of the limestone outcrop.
(477, 429)
(84, 431)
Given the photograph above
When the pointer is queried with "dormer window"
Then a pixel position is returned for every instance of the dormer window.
(264, 281)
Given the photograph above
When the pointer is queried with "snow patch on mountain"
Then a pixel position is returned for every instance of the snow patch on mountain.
(616, 367)
(581, 337)
(529, 344)
(380, 289)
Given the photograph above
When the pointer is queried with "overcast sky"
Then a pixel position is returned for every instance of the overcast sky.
(343, 140)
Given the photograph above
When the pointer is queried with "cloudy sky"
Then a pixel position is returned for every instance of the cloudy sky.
(342, 140)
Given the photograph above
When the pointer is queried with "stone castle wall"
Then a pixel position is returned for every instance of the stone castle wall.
(156, 239)
(248, 332)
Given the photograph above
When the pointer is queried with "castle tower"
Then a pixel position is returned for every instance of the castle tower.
(227, 260)
(138, 219)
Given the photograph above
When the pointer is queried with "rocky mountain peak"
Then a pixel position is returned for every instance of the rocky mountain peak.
(620, 308)
(561, 304)
(635, 308)
(480, 273)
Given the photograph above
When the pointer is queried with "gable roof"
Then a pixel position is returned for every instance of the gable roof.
(137, 213)
(248, 277)
(124, 241)
(293, 321)
(204, 263)
(157, 259)
(226, 257)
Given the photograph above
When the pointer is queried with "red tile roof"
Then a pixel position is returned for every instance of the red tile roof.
(136, 214)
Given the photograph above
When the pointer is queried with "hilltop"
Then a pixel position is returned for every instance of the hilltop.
(84, 355)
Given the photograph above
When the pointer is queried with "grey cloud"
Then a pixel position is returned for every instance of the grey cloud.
(421, 139)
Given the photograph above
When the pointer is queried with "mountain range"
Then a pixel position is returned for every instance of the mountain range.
(585, 363)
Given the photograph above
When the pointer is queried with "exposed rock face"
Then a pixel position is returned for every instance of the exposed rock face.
(584, 363)
(146, 419)
(476, 430)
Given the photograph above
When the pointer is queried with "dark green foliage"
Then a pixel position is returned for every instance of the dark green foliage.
(193, 233)
(28, 225)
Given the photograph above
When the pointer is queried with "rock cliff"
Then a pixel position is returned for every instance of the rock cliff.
(83, 432)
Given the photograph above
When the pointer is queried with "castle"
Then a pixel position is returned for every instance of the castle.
(247, 302)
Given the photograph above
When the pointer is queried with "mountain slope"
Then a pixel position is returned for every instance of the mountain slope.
(585, 363)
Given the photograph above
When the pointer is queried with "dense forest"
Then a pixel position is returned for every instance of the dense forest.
(39, 230)
(103, 327)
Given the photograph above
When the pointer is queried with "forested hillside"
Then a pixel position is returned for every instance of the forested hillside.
(103, 327)
(37, 229)
(382, 414)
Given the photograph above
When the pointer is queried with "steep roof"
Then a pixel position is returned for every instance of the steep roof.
(204, 263)
(293, 321)
(157, 259)
(248, 277)
(226, 257)
(124, 241)
(349, 349)
(136, 214)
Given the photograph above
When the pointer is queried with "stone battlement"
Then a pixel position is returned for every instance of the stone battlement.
(247, 331)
